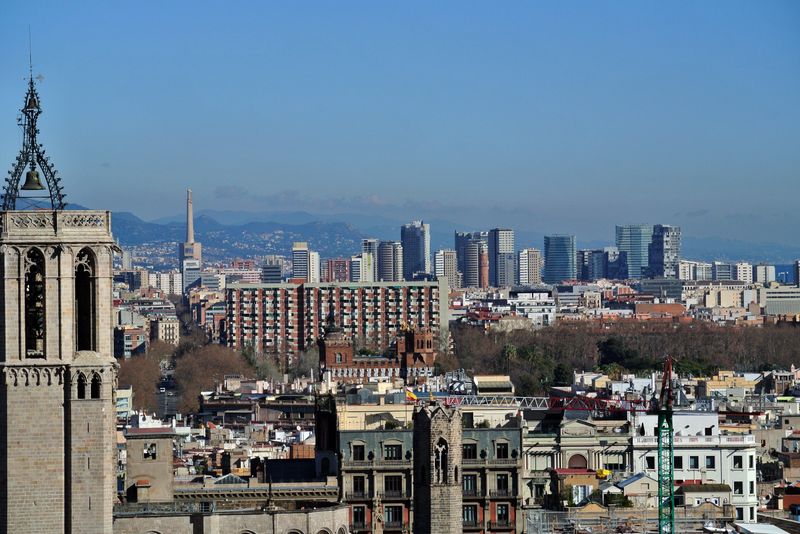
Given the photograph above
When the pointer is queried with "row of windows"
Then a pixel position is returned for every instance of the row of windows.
(469, 483)
(710, 462)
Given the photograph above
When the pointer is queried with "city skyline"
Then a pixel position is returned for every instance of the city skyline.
(421, 142)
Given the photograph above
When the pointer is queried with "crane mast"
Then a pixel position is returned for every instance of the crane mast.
(666, 452)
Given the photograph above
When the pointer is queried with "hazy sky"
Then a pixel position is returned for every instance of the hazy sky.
(550, 116)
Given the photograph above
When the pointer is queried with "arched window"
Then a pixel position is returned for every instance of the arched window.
(85, 267)
(96, 386)
(577, 461)
(34, 304)
(81, 386)
(440, 462)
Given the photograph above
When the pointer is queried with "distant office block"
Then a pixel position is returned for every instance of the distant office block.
(416, 240)
(390, 261)
(530, 264)
(743, 271)
(764, 274)
(501, 265)
(723, 271)
(664, 251)
(372, 246)
(446, 265)
(634, 240)
(361, 267)
(559, 258)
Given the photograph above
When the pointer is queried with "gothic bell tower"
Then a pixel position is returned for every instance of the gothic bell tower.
(437, 459)
(57, 372)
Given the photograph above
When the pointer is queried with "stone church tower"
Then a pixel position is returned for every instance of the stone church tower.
(57, 373)
(437, 481)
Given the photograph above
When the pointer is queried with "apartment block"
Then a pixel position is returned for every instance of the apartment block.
(287, 318)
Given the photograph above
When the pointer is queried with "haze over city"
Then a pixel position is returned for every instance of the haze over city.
(546, 117)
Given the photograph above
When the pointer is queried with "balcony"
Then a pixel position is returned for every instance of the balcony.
(393, 495)
(469, 524)
(502, 524)
(393, 525)
(358, 526)
(471, 492)
(491, 461)
(499, 493)
(357, 495)
(697, 441)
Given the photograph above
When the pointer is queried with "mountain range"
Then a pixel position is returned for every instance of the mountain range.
(227, 234)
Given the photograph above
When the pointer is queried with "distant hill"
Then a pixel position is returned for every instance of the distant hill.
(222, 241)
(227, 234)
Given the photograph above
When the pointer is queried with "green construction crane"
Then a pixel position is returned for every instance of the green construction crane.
(666, 452)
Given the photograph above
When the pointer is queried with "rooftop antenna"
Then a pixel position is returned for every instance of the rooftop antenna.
(30, 54)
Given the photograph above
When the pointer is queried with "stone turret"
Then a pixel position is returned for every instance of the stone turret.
(437, 461)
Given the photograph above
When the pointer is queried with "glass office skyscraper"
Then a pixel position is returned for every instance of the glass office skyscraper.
(559, 258)
(634, 240)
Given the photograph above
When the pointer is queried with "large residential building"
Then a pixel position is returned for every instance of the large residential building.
(703, 455)
(362, 267)
(473, 482)
(416, 241)
(286, 318)
(170, 283)
(664, 252)
(476, 261)
(695, 270)
(530, 265)
(305, 263)
(371, 246)
(166, 329)
(272, 270)
(390, 261)
(634, 240)
(335, 270)
(559, 258)
(502, 258)
(764, 274)
(743, 271)
(446, 265)
(462, 242)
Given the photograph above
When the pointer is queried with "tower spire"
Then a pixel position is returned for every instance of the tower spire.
(31, 156)
(189, 217)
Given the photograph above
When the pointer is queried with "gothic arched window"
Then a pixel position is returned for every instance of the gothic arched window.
(34, 304)
(81, 386)
(440, 462)
(95, 393)
(85, 267)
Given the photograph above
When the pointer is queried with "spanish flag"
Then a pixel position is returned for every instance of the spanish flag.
(410, 395)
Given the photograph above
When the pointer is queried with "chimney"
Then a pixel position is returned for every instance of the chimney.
(189, 217)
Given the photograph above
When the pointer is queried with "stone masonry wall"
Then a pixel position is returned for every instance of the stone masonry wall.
(33, 453)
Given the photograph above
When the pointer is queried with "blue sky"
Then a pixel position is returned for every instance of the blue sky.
(547, 116)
